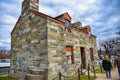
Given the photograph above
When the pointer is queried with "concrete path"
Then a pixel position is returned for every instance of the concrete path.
(103, 76)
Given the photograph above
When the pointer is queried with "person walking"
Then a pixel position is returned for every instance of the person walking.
(118, 64)
(107, 66)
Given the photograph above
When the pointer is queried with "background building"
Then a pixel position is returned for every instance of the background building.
(4, 58)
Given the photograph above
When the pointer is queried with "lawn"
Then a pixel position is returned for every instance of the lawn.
(83, 77)
(3, 73)
(4, 76)
(98, 70)
(7, 78)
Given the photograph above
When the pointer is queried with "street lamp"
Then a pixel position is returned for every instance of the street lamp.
(107, 47)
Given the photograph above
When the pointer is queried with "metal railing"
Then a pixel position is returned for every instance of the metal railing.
(78, 73)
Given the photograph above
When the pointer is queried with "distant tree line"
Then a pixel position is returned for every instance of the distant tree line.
(4, 54)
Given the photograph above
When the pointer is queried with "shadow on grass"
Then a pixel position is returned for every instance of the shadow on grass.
(7, 78)
(4, 76)
(3, 73)
(83, 77)
(98, 70)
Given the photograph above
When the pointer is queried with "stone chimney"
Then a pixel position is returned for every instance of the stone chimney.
(29, 4)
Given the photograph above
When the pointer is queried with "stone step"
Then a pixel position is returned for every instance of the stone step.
(34, 77)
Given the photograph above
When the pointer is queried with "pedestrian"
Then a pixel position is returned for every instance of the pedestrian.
(118, 64)
(107, 66)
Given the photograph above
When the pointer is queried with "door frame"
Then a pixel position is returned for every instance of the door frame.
(83, 57)
(72, 57)
(91, 54)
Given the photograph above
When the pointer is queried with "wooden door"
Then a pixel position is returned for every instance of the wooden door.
(91, 54)
(83, 57)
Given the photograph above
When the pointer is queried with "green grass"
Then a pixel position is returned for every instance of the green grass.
(3, 73)
(4, 76)
(98, 70)
(83, 77)
(7, 78)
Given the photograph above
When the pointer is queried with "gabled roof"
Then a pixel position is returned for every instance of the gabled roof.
(77, 29)
(65, 16)
(46, 16)
(80, 30)
(88, 28)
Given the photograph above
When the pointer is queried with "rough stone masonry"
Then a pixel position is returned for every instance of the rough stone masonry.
(42, 45)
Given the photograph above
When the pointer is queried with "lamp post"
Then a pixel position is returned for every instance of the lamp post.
(100, 61)
(88, 71)
(93, 66)
(106, 47)
(106, 50)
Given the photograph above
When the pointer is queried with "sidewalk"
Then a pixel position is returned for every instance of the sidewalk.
(103, 76)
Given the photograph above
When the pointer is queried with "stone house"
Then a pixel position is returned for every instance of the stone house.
(42, 45)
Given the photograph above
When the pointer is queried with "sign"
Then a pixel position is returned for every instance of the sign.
(59, 67)
(68, 54)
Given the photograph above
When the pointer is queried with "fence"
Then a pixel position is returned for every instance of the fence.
(78, 73)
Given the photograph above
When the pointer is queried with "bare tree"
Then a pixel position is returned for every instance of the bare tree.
(111, 46)
(118, 30)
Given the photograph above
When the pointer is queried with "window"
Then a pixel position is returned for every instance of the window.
(67, 24)
(3, 60)
(69, 55)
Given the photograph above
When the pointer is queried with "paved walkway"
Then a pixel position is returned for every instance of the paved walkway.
(103, 76)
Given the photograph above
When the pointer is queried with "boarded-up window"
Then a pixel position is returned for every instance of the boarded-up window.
(69, 55)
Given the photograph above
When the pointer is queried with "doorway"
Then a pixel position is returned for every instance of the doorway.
(83, 57)
(91, 54)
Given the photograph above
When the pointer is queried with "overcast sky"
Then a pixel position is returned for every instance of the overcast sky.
(102, 15)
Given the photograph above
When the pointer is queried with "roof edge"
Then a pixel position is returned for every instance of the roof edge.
(46, 16)
(77, 29)
(63, 15)
(93, 36)
(16, 24)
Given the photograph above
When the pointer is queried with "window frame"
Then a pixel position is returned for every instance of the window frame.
(67, 28)
(67, 23)
(72, 55)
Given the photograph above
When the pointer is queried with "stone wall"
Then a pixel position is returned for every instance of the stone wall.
(58, 39)
(29, 48)
(56, 47)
